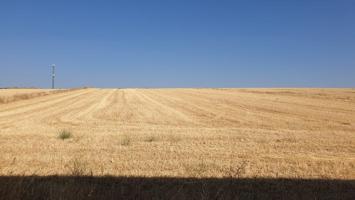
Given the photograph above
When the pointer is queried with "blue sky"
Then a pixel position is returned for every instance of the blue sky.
(178, 43)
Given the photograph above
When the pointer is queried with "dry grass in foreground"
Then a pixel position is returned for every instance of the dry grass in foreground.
(253, 134)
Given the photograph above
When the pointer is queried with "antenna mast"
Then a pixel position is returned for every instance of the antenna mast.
(53, 75)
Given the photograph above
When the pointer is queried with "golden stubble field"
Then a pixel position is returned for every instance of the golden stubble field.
(291, 133)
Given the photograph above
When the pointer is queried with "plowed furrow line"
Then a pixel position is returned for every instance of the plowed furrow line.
(266, 107)
(106, 107)
(123, 110)
(165, 113)
(197, 113)
(70, 111)
(98, 102)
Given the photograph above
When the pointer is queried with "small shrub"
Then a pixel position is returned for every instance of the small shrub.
(238, 170)
(64, 134)
(78, 168)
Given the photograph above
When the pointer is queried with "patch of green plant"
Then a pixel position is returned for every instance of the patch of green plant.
(65, 134)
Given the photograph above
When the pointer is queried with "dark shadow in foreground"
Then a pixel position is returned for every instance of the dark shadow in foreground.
(68, 187)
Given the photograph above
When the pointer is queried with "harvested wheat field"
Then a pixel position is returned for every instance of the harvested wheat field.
(288, 134)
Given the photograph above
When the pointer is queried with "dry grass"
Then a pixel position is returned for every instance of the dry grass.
(78, 168)
(279, 133)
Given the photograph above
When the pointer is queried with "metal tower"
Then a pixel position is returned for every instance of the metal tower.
(53, 75)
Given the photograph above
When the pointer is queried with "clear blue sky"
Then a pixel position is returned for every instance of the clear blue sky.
(177, 43)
